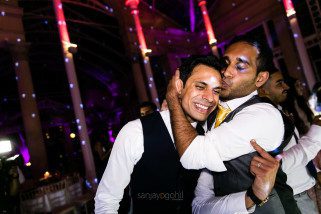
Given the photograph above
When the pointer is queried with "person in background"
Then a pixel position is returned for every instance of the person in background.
(101, 151)
(301, 171)
(315, 99)
(11, 177)
(147, 108)
(296, 105)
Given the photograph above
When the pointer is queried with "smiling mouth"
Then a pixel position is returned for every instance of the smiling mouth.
(202, 108)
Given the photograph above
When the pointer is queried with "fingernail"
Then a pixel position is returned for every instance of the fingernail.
(253, 141)
(278, 157)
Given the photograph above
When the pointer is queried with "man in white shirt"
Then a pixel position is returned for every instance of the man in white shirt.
(144, 154)
(248, 64)
(298, 175)
(294, 159)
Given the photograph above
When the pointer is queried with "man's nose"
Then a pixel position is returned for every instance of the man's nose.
(208, 96)
(285, 86)
(227, 72)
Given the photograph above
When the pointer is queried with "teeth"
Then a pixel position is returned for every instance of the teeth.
(201, 106)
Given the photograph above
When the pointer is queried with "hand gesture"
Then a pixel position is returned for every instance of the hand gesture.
(264, 168)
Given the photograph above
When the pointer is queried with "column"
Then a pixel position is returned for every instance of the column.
(269, 40)
(133, 4)
(139, 80)
(29, 110)
(208, 25)
(67, 49)
(299, 42)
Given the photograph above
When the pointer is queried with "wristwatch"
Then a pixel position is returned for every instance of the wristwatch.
(255, 199)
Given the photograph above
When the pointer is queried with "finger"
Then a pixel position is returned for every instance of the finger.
(177, 74)
(263, 170)
(264, 160)
(262, 165)
(261, 151)
(258, 171)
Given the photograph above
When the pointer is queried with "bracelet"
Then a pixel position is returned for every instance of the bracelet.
(254, 198)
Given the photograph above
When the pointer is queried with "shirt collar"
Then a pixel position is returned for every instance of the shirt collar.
(166, 114)
(233, 104)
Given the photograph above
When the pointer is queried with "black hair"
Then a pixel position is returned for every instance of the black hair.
(265, 54)
(148, 104)
(294, 99)
(190, 63)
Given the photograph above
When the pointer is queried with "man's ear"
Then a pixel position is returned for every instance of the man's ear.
(261, 78)
(179, 86)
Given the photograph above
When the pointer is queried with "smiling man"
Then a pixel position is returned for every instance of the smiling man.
(144, 155)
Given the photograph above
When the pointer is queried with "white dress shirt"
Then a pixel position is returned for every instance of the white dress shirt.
(260, 121)
(296, 156)
(205, 201)
(294, 161)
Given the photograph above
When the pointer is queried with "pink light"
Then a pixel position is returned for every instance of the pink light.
(208, 25)
(289, 8)
(132, 3)
(141, 38)
(64, 36)
(135, 12)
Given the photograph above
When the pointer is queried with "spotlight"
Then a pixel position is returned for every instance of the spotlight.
(5, 146)
(146, 52)
(71, 47)
(72, 135)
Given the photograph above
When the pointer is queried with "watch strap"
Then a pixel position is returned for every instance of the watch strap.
(255, 199)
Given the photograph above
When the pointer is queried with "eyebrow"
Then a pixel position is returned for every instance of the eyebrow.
(280, 80)
(239, 59)
(205, 84)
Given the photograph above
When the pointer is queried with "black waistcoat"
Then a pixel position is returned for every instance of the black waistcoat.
(238, 178)
(159, 183)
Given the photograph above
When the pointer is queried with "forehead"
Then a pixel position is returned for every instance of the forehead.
(145, 108)
(241, 49)
(277, 76)
(205, 72)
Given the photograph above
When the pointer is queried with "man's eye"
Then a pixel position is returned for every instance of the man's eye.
(200, 87)
(217, 91)
(240, 67)
(279, 84)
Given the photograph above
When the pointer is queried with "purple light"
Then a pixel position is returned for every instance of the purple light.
(192, 15)
(24, 149)
(110, 134)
